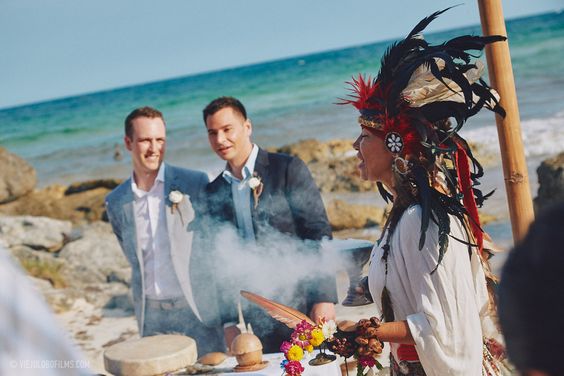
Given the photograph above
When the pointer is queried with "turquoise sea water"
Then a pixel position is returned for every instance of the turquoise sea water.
(73, 138)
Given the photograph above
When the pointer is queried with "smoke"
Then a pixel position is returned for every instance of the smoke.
(276, 266)
(279, 267)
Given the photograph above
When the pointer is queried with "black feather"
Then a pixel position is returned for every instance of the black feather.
(425, 22)
(424, 198)
(387, 196)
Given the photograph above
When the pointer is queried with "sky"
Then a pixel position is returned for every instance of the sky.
(58, 48)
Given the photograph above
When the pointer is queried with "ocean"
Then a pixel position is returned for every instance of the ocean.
(74, 139)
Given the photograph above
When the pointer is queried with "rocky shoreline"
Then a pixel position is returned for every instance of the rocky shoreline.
(61, 237)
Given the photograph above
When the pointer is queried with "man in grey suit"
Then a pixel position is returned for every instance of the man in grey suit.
(155, 216)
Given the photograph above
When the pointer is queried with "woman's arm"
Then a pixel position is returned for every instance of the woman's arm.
(396, 331)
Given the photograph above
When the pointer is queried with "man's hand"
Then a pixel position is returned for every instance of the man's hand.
(322, 310)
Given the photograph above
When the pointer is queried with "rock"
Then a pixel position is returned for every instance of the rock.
(39, 233)
(92, 184)
(486, 218)
(343, 215)
(551, 182)
(311, 150)
(96, 257)
(17, 177)
(487, 157)
(123, 302)
(40, 265)
(60, 300)
(371, 234)
(78, 203)
(333, 164)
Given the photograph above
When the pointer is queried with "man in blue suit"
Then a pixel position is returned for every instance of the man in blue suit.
(271, 201)
(155, 216)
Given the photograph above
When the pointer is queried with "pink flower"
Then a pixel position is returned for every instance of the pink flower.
(304, 326)
(301, 340)
(302, 334)
(285, 346)
(366, 361)
(294, 368)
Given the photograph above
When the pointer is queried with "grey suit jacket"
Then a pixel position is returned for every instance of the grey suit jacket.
(189, 258)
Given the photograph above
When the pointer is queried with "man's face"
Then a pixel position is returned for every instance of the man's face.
(229, 135)
(147, 145)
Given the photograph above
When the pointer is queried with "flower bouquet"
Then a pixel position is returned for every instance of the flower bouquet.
(348, 339)
(358, 341)
(304, 339)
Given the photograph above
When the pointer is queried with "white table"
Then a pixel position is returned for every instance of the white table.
(273, 369)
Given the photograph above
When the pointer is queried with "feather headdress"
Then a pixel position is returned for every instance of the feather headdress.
(418, 89)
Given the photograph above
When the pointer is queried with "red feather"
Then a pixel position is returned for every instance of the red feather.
(465, 183)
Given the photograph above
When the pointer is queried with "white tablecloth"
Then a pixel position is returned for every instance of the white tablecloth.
(273, 369)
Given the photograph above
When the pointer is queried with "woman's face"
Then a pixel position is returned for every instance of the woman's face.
(375, 159)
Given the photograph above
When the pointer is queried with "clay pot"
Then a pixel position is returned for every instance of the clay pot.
(247, 349)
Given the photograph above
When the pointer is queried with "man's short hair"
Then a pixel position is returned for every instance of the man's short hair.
(223, 102)
(531, 296)
(148, 112)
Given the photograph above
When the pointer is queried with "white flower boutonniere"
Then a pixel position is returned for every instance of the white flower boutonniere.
(175, 198)
(256, 185)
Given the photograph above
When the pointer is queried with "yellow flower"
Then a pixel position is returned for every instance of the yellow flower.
(316, 337)
(295, 353)
(309, 348)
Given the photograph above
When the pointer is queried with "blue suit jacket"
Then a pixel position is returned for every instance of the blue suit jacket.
(191, 264)
(290, 204)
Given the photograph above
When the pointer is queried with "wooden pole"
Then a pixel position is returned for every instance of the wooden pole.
(508, 128)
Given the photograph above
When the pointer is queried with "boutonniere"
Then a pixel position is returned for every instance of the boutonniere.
(176, 198)
(256, 185)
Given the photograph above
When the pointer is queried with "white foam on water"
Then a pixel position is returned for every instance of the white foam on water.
(541, 137)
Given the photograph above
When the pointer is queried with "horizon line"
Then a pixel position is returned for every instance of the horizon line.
(235, 67)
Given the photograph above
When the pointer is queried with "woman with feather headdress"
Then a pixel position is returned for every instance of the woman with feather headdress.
(429, 272)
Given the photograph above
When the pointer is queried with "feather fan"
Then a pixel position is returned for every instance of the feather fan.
(286, 315)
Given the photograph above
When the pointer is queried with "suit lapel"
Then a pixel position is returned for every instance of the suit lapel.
(261, 165)
(180, 238)
(170, 184)
(223, 198)
(129, 225)
(130, 243)
(262, 171)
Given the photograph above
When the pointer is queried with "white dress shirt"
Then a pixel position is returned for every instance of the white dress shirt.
(152, 237)
(447, 311)
(241, 193)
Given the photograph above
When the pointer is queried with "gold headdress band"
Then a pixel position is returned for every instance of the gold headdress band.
(369, 123)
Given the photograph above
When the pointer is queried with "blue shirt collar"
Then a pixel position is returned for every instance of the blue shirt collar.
(248, 168)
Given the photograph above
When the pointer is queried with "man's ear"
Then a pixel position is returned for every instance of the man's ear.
(249, 126)
(127, 142)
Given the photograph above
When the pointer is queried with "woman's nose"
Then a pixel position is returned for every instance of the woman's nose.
(356, 143)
